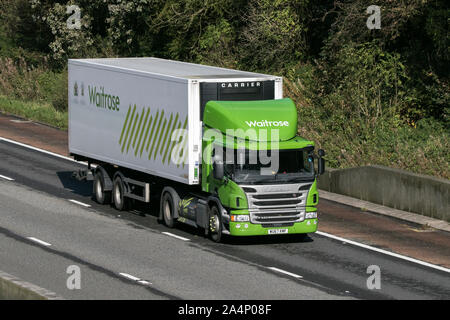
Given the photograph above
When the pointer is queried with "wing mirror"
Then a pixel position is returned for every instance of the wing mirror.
(218, 167)
(321, 162)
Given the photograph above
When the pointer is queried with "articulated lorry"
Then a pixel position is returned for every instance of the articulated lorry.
(214, 148)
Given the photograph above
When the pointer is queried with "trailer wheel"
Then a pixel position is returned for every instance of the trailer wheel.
(168, 208)
(101, 196)
(120, 202)
(215, 224)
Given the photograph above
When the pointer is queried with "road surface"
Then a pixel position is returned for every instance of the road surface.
(129, 255)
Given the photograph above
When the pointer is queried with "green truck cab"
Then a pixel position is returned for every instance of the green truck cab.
(256, 199)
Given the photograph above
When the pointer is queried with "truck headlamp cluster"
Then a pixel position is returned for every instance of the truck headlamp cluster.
(311, 215)
(240, 217)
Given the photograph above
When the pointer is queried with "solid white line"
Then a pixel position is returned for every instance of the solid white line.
(45, 151)
(6, 178)
(39, 241)
(286, 272)
(392, 254)
(20, 121)
(175, 236)
(37, 149)
(80, 203)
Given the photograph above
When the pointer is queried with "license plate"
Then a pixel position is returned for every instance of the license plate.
(278, 231)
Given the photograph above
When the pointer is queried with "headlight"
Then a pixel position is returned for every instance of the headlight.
(311, 215)
(240, 217)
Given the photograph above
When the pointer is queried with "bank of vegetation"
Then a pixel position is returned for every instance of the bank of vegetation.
(367, 96)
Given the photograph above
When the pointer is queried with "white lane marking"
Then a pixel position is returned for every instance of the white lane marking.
(175, 236)
(392, 254)
(286, 272)
(133, 278)
(44, 151)
(318, 232)
(20, 121)
(37, 149)
(80, 203)
(129, 276)
(39, 241)
(6, 178)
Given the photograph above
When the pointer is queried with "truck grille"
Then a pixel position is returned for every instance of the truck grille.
(275, 217)
(277, 204)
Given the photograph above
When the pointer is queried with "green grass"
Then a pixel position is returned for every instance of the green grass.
(41, 112)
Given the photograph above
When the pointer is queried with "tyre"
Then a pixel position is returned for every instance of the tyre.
(120, 201)
(168, 207)
(215, 224)
(101, 196)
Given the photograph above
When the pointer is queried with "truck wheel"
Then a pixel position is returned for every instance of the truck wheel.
(101, 196)
(215, 224)
(120, 202)
(168, 207)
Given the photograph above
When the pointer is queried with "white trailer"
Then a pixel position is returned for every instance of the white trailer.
(123, 111)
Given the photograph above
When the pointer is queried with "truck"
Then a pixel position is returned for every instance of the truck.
(210, 147)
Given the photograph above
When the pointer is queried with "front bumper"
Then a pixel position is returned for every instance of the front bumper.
(250, 229)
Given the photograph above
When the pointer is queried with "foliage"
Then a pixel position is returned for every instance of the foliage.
(366, 96)
(274, 34)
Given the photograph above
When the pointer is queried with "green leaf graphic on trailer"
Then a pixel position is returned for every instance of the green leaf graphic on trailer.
(128, 130)
(153, 133)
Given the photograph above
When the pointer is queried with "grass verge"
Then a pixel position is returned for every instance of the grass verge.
(37, 111)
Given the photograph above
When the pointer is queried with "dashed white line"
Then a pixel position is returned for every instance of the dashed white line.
(6, 178)
(133, 278)
(129, 276)
(80, 203)
(39, 241)
(286, 272)
(392, 254)
(175, 236)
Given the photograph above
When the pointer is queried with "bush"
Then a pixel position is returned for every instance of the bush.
(274, 34)
(53, 88)
(422, 148)
(20, 81)
(59, 98)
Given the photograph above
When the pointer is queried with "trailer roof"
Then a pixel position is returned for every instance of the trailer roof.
(173, 68)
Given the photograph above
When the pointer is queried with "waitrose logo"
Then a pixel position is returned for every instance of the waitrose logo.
(102, 99)
(266, 123)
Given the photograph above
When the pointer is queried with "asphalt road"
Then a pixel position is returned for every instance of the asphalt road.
(106, 244)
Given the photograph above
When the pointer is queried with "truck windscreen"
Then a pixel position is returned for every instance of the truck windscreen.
(256, 167)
